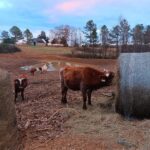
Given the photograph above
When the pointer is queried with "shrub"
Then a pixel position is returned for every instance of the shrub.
(95, 52)
(9, 41)
(8, 48)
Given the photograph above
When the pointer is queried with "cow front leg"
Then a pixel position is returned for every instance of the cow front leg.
(22, 95)
(84, 95)
(16, 95)
(89, 97)
(84, 99)
(64, 95)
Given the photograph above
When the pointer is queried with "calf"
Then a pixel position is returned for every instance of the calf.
(85, 79)
(19, 85)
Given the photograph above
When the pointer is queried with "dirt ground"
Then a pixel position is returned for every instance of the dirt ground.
(46, 124)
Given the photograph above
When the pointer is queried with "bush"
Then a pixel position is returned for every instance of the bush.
(8, 48)
(9, 41)
(95, 52)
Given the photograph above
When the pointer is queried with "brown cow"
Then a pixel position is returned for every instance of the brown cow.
(85, 79)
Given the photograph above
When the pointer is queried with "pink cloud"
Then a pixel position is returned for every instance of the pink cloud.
(69, 6)
(76, 5)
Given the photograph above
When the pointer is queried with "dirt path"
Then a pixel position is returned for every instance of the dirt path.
(46, 124)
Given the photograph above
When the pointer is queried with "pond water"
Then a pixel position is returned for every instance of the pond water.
(26, 67)
(52, 66)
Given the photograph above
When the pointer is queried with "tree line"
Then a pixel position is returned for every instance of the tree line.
(15, 34)
(121, 34)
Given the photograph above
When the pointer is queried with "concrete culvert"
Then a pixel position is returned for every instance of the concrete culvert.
(134, 85)
(8, 130)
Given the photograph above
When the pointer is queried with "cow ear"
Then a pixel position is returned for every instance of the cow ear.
(25, 82)
(16, 81)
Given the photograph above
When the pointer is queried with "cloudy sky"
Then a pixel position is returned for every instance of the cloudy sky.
(40, 15)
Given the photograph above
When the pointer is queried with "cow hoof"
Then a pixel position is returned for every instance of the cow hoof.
(90, 104)
(64, 102)
(84, 108)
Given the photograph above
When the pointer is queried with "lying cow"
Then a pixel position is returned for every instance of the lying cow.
(85, 79)
(44, 67)
(19, 85)
(33, 70)
(41, 69)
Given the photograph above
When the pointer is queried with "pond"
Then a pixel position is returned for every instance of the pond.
(52, 65)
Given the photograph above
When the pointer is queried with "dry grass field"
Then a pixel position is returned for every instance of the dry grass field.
(46, 124)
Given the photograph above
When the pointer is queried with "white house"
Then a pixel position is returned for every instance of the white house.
(1, 40)
(21, 42)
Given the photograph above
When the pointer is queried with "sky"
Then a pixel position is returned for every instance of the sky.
(38, 15)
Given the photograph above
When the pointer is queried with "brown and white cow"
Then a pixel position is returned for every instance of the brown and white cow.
(19, 85)
(85, 79)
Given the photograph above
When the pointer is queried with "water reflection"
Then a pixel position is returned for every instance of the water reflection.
(26, 67)
(52, 66)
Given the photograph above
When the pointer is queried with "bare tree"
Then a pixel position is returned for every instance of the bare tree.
(75, 36)
(63, 31)
(61, 34)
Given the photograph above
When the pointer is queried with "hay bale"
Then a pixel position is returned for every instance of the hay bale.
(134, 85)
(8, 130)
(7, 110)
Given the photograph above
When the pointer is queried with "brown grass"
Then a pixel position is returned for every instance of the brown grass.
(48, 124)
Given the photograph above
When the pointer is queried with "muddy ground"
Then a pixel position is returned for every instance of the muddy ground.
(46, 124)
